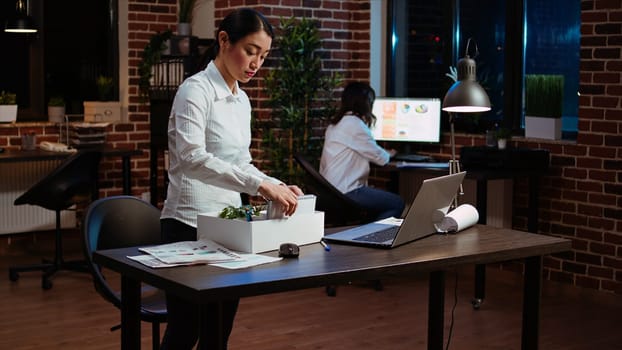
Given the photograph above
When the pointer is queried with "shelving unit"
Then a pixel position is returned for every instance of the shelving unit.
(174, 67)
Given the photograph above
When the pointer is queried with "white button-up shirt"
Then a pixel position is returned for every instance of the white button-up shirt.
(208, 143)
(349, 146)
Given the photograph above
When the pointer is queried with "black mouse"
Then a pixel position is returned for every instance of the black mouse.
(289, 250)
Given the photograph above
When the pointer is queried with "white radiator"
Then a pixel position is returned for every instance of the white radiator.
(15, 179)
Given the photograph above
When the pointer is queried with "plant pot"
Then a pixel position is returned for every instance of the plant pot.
(184, 29)
(8, 113)
(543, 127)
(56, 114)
(502, 143)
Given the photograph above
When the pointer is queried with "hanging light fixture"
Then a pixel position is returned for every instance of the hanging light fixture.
(21, 22)
(464, 96)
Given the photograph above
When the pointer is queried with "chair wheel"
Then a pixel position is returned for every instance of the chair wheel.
(13, 275)
(46, 284)
(331, 291)
(476, 303)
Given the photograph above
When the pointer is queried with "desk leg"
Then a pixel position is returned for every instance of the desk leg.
(534, 189)
(130, 314)
(531, 303)
(127, 175)
(436, 310)
(204, 327)
(480, 270)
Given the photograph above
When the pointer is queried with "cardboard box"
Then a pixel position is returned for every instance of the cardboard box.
(261, 235)
(97, 111)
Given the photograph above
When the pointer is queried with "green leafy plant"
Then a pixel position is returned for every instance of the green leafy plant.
(231, 212)
(56, 101)
(8, 98)
(503, 133)
(301, 96)
(104, 87)
(544, 95)
(150, 56)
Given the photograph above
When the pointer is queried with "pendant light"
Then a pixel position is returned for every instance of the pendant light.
(21, 21)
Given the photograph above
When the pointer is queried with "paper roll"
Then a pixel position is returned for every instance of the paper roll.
(458, 219)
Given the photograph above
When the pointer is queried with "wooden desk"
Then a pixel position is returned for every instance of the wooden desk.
(317, 268)
(481, 177)
(10, 155)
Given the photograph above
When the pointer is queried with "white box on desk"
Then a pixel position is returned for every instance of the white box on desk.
(261, 235)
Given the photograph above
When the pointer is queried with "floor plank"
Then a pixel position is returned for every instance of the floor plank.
(73, 316)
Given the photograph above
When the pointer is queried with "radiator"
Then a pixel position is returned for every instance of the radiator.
(15, 179)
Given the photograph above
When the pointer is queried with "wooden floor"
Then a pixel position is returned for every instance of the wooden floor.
(73, 316)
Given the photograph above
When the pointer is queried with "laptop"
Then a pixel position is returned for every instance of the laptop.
(429, 207)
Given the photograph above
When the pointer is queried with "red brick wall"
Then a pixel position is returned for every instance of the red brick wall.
(581, 199)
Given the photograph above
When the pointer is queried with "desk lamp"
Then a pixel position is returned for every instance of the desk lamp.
(464, 96)
(21, 22)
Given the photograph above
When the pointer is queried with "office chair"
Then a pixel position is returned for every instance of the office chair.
(73, 182)
(339, 210)
(117, 222)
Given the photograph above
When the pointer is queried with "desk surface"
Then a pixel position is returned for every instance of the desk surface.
(13, 155)
(316, 267)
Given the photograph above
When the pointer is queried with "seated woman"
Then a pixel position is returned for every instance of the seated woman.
(349, 147)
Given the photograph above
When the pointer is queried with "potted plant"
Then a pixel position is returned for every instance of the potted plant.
(184, 20)
(104, 109)
(301, 97)
(8, 107)
(503, 135)
(56, 109)
(543, 106)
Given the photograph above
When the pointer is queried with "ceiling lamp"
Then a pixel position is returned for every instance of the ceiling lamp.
(21, 22)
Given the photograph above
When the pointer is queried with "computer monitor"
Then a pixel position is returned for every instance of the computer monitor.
(407, 119)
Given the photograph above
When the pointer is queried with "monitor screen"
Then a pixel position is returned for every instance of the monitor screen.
(407, 119)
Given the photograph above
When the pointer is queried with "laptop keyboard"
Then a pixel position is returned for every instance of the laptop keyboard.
(379, 236)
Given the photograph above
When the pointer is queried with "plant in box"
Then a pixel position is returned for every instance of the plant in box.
(543, 106)
(8, 107)
(56, 109)
(104, 109)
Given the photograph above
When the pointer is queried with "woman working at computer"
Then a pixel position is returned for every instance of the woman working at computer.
(349, 147)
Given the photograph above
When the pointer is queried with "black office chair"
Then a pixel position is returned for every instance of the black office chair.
(117, 222)
(73, 182)
(339, 210)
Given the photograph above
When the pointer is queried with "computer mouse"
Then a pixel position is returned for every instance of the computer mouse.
(289, 250)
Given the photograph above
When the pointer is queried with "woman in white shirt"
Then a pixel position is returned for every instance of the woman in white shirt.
(348, 149)
(210, 163)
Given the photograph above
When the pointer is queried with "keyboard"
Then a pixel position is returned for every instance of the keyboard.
(379, 236)
(411, 158)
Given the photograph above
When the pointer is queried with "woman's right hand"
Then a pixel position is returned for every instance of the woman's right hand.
(285, 196)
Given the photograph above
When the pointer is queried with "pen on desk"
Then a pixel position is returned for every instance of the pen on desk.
(326, 246)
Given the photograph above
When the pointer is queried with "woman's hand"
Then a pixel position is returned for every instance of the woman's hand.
(285, 196)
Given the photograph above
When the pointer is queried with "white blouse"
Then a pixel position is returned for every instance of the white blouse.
(348, 148)
(208, 143)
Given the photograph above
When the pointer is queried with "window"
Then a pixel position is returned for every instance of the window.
(76, 42)
(513, 38)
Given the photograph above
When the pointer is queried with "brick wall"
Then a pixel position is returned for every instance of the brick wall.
(581, 199)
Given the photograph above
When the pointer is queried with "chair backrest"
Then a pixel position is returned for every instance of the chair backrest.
(73, 181)
(339, 210)
(117, 222)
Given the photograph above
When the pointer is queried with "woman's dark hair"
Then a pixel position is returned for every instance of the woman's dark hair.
(237, 25)
(357, 98)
